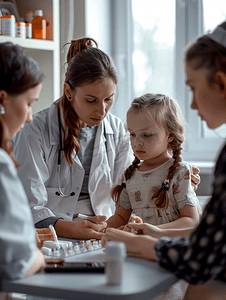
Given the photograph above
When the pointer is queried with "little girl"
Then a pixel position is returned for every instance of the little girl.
(157, 186)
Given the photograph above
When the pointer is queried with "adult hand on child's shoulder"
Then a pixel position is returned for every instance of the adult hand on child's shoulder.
(195, 177)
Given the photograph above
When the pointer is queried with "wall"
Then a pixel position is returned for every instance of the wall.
(98, 23)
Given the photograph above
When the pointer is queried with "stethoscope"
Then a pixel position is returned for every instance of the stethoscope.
(60, 192)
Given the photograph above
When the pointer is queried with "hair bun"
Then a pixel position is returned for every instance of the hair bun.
(80, 45)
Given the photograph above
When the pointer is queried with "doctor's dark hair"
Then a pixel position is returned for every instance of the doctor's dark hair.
(86, 64)
(204, 53)
(18, 73)
(166, 112)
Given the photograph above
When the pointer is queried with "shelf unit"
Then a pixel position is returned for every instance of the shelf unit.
(45, 52)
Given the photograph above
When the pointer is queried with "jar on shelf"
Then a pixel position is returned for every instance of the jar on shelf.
(39, 25)
(28, 30)
(29, 16)
(8, 25)
(20, 30)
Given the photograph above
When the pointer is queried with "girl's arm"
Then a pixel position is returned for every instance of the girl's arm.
(156, 232)
(121, 217)
(189, 218)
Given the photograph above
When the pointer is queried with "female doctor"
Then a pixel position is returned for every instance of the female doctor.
(60, 184)
(75, 150)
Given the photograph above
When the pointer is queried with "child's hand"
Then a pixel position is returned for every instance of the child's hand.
(42, 235)
(100, 219)
(122, 227)
(145, 228)
(134, 219)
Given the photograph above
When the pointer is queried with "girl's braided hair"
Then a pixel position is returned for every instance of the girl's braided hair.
(165, 111)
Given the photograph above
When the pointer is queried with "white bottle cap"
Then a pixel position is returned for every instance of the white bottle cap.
(39, 12)
(50, 244)
(114, 249)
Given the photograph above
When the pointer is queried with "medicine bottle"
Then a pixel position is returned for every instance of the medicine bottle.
(115, 256)
(29, 16)
(39, 26)
(20, 30)
(28, 30)
(8, 25)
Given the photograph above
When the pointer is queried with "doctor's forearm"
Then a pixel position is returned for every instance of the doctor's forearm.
(82, 229)
(65, 229)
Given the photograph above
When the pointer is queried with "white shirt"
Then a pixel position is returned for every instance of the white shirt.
(17, 233)
(36, 149)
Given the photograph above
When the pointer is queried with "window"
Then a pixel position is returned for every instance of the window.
(154, 46)
(156, 34)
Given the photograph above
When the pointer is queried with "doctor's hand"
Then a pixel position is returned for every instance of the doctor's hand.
(91, 228)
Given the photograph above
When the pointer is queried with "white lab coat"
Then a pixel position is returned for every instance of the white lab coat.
(17, 233)
(36, 149)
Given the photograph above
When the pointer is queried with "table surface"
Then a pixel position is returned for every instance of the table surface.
(142, 279)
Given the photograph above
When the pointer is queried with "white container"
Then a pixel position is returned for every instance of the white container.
(28, 30)
(115, 256)
(20, 30)
(46, 251)
(8, 25)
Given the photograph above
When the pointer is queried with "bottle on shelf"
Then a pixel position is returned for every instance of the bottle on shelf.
(39, 26)
(29, 16)
(8, 25)
(28, 30)
(20, 30)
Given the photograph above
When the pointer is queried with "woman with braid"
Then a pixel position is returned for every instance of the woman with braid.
(157, 186)
(69, 155)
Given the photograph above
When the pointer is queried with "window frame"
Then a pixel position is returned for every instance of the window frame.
(189, 25)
